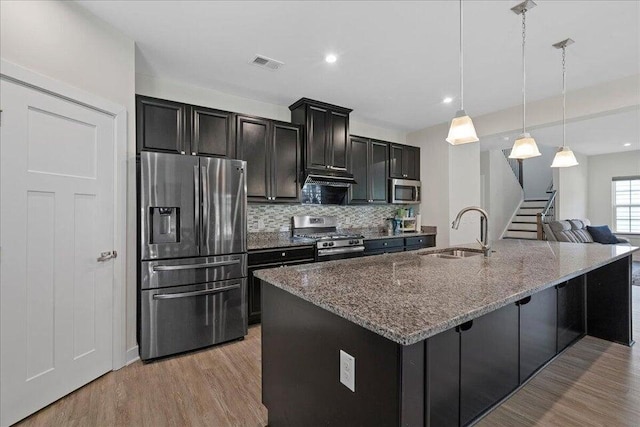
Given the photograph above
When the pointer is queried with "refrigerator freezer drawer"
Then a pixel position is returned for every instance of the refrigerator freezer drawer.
(190, 271)
(183, 318)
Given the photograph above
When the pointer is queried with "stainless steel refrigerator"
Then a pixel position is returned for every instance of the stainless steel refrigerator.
(193, 261)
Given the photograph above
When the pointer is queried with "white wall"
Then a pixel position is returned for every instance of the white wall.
(537, 173)
(450, 181)
(503, 193)
(62, 41)
(178, 91)
(595, 100)
(572, 187)
(601, 170)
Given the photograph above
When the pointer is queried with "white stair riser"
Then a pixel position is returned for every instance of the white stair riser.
(529, 211)
(529, 226)
(535, 204)
(530, 219)
(522, 235)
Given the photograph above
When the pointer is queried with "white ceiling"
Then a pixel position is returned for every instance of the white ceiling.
(597, 135)
(396, 60)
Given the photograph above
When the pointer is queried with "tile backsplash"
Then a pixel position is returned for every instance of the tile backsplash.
(278, 217)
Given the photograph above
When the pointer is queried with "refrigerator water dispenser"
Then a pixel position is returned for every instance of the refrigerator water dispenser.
(165, 224)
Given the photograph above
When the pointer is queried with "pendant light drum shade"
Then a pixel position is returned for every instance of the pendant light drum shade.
(524, 147)
(564, 158)
(462, 130)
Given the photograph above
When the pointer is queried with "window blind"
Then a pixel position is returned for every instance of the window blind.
(627, 204)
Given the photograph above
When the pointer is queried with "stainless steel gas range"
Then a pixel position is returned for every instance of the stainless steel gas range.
(330, 243)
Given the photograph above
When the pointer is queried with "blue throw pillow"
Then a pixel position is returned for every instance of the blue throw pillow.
(602, 234)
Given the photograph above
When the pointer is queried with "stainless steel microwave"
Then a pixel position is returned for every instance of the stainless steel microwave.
(404, 191)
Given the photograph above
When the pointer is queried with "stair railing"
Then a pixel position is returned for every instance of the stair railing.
(547, 215)
(516, 166)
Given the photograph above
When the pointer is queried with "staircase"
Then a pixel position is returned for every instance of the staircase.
(524, 225)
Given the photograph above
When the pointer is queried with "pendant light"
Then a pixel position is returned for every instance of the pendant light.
(462, 130)
(564, 157)
(525, 146)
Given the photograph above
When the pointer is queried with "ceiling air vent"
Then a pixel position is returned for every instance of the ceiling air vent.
(268, 63)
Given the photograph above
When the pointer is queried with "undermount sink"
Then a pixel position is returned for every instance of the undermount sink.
(453, 254)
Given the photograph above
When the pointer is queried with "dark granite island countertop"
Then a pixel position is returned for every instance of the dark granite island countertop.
(407, 297)
(434, 341)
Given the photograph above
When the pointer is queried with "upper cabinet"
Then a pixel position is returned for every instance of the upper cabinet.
(212, 132)
(327, 133)
(161, 125)
(272, 152)
(404, 162)
(369, 165)
(184, 129)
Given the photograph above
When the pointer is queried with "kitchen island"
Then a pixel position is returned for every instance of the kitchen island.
(436, 341)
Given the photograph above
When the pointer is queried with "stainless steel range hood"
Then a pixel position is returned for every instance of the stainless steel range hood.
(326, 187)
(329, 178)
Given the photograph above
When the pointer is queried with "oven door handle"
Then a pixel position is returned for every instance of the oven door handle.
(196, 293)
(194, 266)
(337, 251)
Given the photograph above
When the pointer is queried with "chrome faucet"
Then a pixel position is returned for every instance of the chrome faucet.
(486, 248)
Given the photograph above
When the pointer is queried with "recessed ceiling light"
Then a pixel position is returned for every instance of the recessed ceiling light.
(628, 144)
(331, 58)
(506, 138)
(447, 100)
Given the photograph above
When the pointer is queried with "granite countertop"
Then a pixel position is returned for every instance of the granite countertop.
(283, 239)
(270, 240)
(408, 297)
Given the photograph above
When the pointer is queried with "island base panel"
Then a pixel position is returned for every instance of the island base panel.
(609, 302)
(301, 386)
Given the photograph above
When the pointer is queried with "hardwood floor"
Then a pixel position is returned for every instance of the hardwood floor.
(594, 383)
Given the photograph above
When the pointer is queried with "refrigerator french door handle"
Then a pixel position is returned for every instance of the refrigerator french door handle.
(195, 266)
(196, 293)
(204, 177)
(196, 203)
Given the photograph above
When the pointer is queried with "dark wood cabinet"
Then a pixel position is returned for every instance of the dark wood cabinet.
(571, 312)
(272, 152)
(212, 133)
(404, 162)
(271, 258)
(443, 379)
(369, 165)
(326, 133)
(161, 125)
(538, 326)
(398, 244)
(254, 143)
(175, 127)
(286, 149)
(488, 361)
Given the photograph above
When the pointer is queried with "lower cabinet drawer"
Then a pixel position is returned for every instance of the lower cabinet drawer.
(384, 251)
(420, 241)
(383, 244)
(270, 256)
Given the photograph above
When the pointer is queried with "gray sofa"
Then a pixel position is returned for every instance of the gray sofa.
(571, 230)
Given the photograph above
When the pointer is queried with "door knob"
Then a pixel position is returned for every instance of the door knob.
(105, 256)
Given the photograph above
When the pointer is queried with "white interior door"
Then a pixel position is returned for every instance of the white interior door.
(56, 217)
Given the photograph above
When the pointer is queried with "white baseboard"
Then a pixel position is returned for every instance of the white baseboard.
(132, 356)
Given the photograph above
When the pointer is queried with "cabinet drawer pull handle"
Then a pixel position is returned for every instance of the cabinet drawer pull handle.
(524, 301)
(182, 152)
(384, 244)
(465, 326)
(284, 254)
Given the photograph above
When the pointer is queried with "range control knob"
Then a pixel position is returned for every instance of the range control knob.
(330, 243)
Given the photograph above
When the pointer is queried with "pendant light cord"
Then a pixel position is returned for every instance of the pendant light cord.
(461, 63)
(524, 72)
(564, 94)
